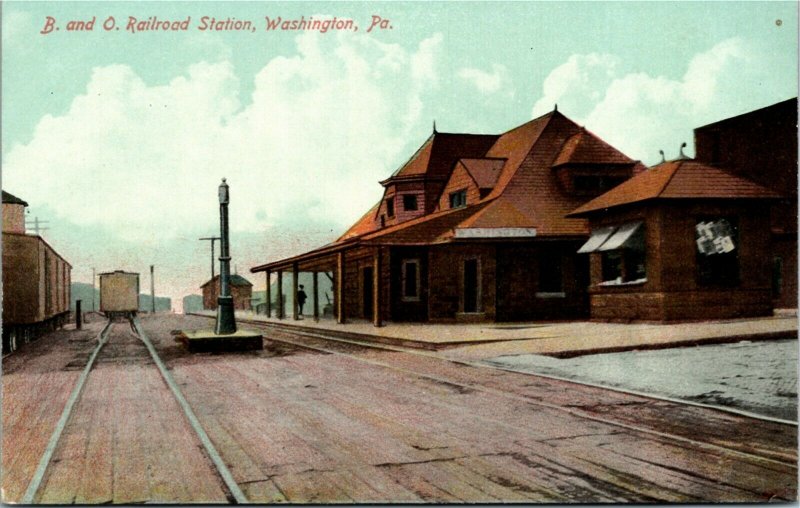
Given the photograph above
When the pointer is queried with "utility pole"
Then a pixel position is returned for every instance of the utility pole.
(93, 277)
(36, 228)
(152, 289)
(213, 239)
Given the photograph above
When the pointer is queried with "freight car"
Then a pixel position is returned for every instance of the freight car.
(36, 289)
(119, 294)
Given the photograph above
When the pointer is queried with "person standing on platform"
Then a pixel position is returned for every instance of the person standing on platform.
(301, 300)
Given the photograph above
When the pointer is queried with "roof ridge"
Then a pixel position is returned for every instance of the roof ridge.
(674, 172)
(414, 155)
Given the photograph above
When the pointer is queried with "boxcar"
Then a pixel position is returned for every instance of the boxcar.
(119, 294)
(36, 289)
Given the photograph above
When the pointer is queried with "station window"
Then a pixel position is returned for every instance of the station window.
(458, 198)
(623, 256)
(717, 251)
(410, 282)
(409, 202)
(550, 276)
(390, 206)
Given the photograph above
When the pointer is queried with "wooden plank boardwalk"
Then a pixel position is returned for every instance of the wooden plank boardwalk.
(319, 421)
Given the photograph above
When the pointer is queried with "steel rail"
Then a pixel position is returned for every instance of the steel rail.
(212, 452)
(44, 461)
(571, 411)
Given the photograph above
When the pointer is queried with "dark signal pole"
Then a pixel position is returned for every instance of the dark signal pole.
(226, 322)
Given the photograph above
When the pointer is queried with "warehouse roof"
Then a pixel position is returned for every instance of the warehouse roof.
(236, 280)
(678, 179)
(9, 198)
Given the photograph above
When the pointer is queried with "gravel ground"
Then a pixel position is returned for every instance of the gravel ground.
(759, 377)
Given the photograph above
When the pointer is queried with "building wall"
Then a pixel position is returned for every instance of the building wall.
(459, 180)
(446, 280)
(395, 192)
(400, 309)
(519, 292)
(13, 218)
(355, 283)
(241, 296)
(762, 146)
(672, 291)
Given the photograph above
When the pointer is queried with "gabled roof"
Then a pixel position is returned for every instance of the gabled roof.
(236, 280)
(679, 179)
(484, 172)
(11, 199)
(514, 145)
(585, 148)
(437, 155)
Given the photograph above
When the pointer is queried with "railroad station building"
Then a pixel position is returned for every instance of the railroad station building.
(474, 228)
(241, 291)
(496, 228)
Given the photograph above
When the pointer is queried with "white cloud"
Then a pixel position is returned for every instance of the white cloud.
(496, 81)
(145, 160)
(577, 83)
(639, 113)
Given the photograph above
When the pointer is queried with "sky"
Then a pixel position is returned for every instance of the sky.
(119, 139)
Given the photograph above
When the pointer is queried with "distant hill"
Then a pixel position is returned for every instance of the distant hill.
(163, 303)
(192, 303)
(83, 291)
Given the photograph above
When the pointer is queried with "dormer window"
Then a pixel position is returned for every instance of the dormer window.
(595, 184)
(458, 199)
(390, 206)
(409, 202)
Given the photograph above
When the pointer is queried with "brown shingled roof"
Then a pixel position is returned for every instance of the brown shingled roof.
(484, 171)
(436, 227)
(679, 179)
(584, 147)
(437, 155)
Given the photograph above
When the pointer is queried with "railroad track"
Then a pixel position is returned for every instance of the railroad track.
(348, 347)
(234, 493)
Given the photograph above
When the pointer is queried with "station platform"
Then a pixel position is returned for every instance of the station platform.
(560, 339)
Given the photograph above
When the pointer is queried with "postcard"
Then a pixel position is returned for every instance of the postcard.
(399, 252)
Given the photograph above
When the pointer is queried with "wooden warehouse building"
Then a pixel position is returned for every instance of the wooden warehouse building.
(36, 280)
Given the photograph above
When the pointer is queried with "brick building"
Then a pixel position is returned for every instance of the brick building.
(241, 291)
(473, 228)
(762, 146)
(681, 241)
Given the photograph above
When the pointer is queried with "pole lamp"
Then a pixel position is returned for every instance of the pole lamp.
(226, 322)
